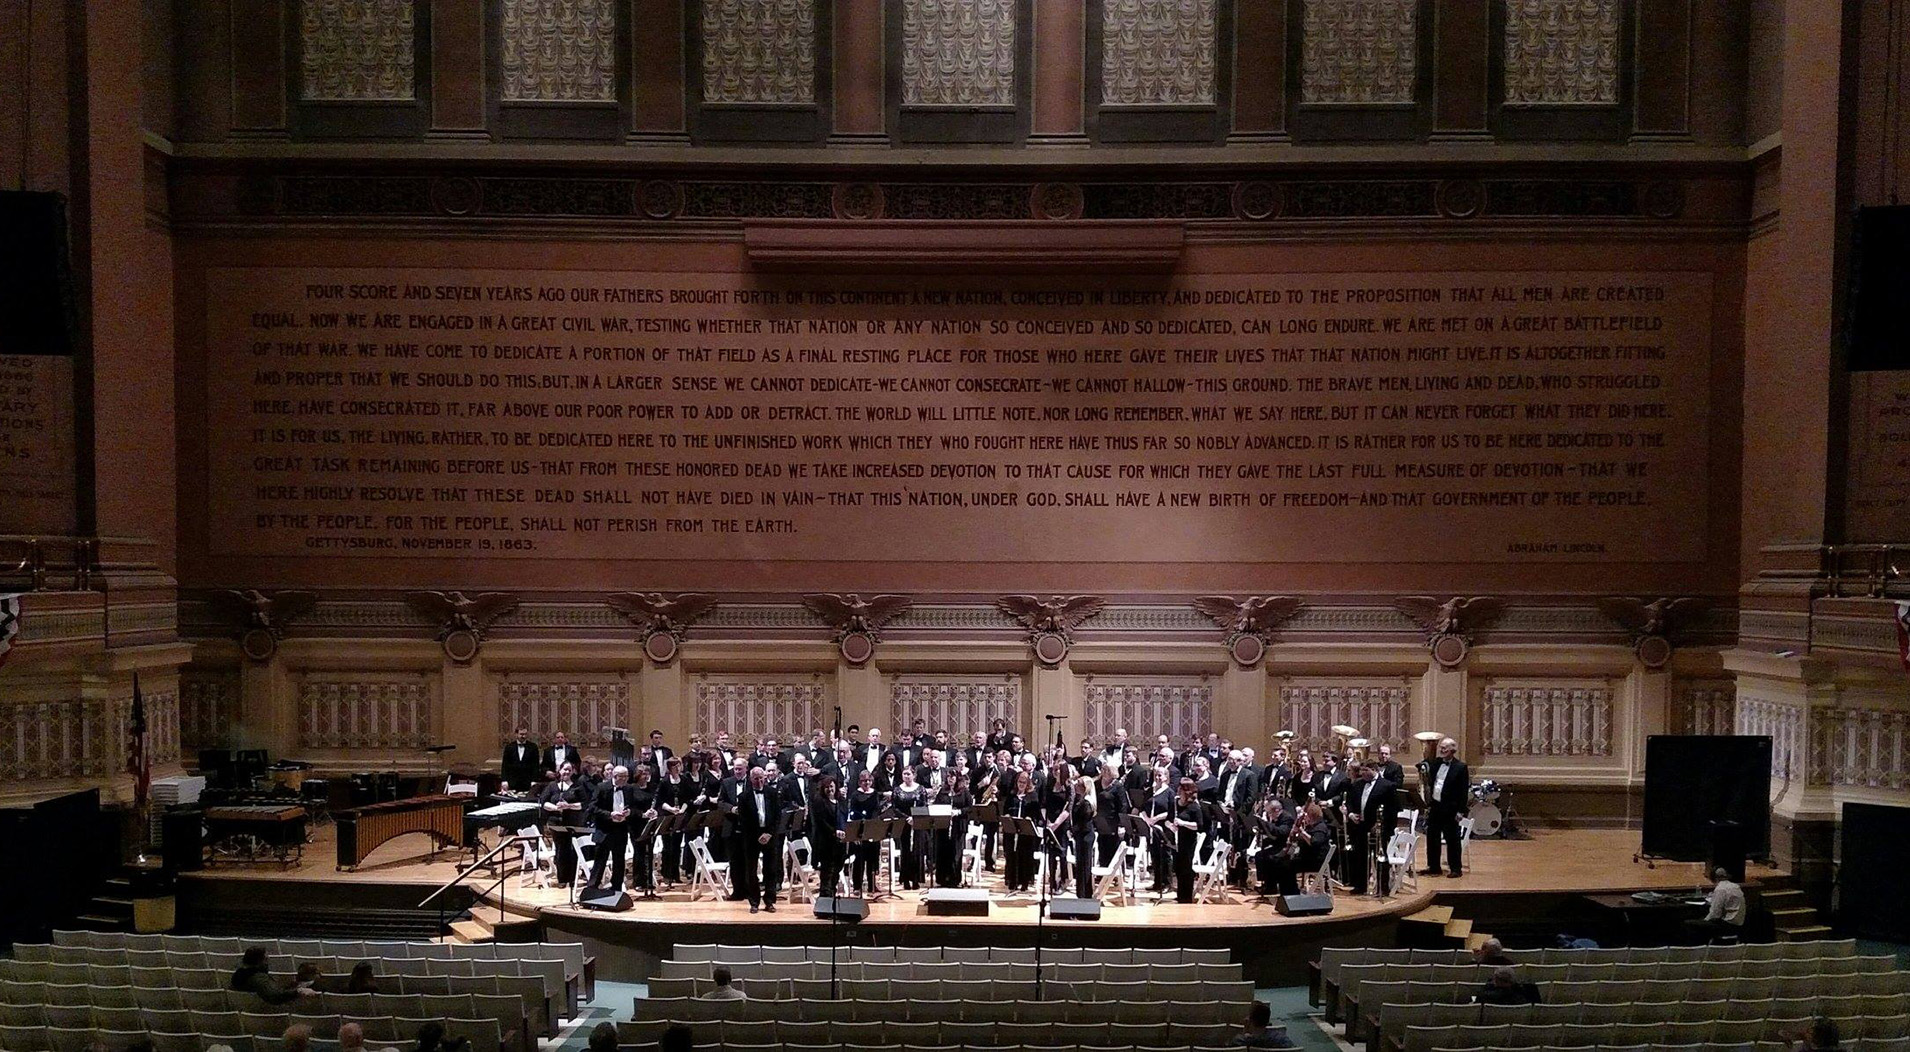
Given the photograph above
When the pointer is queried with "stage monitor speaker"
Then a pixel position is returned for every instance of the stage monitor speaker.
(1074, 909)
(610, 901)
(1879, 287)
(1876, 851)
(956, 902)
(1304, 905)
(1693, 780)
(851, 910)
(181, 837)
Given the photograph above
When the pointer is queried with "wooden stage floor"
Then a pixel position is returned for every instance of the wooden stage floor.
(1556, 861)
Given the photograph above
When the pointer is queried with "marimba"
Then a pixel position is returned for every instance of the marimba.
(244, 828)
(361, 830)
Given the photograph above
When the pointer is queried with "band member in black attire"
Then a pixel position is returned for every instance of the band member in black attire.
(759, 841)
(1080, 828)
(1389, 768)
(520, 767)
(674, 793)
(611, 812)
(1448, 790)
(1057, 790)
(561, 752)
(828, 814)
(735, 845)
(889, 774)
(1187, 821)
(865, 804)
(1274, 826)
(704, 785)
(1110, 801)
(564, 802)
(1371, 806)
(984, 785)
(1303, 852)
(1020, 848)
(643, 809)
(999, 740)
(1161, 838)
(909, 794)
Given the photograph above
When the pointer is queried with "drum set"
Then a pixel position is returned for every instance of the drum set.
(1489, 818)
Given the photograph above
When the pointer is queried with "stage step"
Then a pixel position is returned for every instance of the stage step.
(1805, 934)
(312, 922)
(470, 932)
(1458, 928)
(1440, 915)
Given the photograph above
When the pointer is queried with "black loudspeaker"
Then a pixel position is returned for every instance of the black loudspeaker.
(1693, 780)
(1876, 851)
(851, 910)
(1879, 286)
(1727, 849)
(1304, 905)
(1075, 909)
(610, 901)
(36, 282)
(181, 837)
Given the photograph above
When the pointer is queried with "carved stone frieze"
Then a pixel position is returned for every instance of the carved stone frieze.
(357, 50)
(558, 50)
(1783, 722)
(759, 52)
(1358, 52)
(1860, 747)
(753, 708)
(1566, 720)
(1159, 52)
(368, 712)
(60, 739)
(1381, 711)
(580, 707)
(1562, 52)
(960, 705)
(1178, 707)
(209, 708)
(958, 52)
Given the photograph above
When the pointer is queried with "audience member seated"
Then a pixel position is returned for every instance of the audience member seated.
(1821, 1037)
(724, 990)
(362, 980)
(603, 1038)
(1726, 913)
(1504, 988)
(1492, 952)
(306, 980)
(252, 976)
(431, 1039)
(351, 1038)
(1259, 1032)
(298, 1038)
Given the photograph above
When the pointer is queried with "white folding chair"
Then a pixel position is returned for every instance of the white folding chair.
(1320, 881)
(452, 787)
(710, 874)
(798, 868)
(972, 855)
(539, 857)
(1111, 879)
(1465, 843)
(1402, 852)
(1210, 877)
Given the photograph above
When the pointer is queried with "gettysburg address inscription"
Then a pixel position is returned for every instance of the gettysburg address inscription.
(1254, 417)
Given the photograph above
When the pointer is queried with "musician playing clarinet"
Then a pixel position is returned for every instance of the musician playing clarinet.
(1021, 802)
(865, 805)
(1079, 824)
(1305, 849)
(1188, 816)
(564, 802)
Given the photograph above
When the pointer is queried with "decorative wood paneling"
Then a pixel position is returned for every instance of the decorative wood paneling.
(1562, 52)
(579, 707)
(960, 705)
(1159, 52)
(1175, 706)
(60, 739)
(1860, 747)
(958, 52)
(1564, 720)
(759, 52)
(1359, 52)
(1784, 723)
(209, 709)
(1705, 706)
(751, 708)
(358, 50)
(364, 712)
(162, 724)
(558, 51)
(1381, 711)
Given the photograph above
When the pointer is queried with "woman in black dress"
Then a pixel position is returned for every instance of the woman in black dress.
(563, 802)
(1187, 820)
(674, 794)
(828, 814)
(1020, 847)
(1081, 809)
(865, 804)
(907, 795)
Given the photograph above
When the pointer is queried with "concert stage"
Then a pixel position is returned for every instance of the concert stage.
(1552, 866)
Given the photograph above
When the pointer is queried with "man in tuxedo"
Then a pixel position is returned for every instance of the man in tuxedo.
(1115, 749)
(871, 753)
(1389, 768)
(1448, 788)
(796, 787)
(612, 810)
(919, 735)
(1110, 801)
(729, 796)
(659, 753)
(1372, 804)
(1237, 793)
(818, 750)
(561, 752)
(841, 766)
(1214, 753)
(723, 748)
(758, 841)
(520, 761)
(977, 748)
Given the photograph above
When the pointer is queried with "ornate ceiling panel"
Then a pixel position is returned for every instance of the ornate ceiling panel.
(357, 50)
(759, 51)
(958, 52)
(1359, 52)
(1159, 52)
(1561, 52)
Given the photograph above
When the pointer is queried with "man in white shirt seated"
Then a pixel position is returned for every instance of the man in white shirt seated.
(724, 991)
(1726, 913)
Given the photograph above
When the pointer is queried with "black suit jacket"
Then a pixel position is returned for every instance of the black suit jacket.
(604, 802)
(556, 756)
(749, 824)
(1393, 772)
(1382, 806)
(1458, 787)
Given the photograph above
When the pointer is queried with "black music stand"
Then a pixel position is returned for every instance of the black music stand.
(926, 825)
(1135, 830)
(651, 828)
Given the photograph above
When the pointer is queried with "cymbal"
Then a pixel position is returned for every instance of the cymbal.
(1428, 736)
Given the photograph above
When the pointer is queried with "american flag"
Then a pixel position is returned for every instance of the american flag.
(9, 622)
(1903, 633)
(139, 761)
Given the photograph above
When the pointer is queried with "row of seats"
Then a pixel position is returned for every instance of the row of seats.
(986, 1013)
(253, 1021)
(725, 954)
(1126, 973)
(522, 996)
(1325, 973)
(484, 1035)
(1238, 990)
(798, 1046)
(1868, 1044)
(1430, 1039)
(83, 964)
(1177, 1034)
(118, 1041)
(1693, 1020)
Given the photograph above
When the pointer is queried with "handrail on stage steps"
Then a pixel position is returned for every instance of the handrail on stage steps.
(497, 885)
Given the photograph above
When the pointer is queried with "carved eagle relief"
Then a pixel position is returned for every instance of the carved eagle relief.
(1058, 614)
(457, 612)
(852, 613)
(1256, 615)
(1458, 616)
(657, 612)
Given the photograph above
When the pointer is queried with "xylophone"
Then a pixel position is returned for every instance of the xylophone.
(361, 830)
(243, 829)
